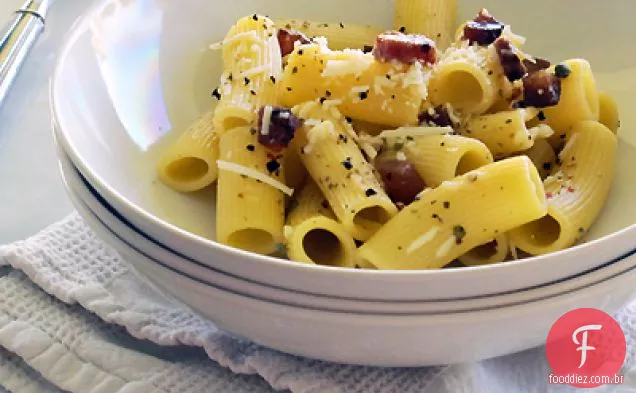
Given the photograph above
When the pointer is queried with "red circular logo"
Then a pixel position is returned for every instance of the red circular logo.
(586, 348)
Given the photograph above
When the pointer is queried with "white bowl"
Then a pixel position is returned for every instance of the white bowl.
(124, 237)
(131, 72)
(371, 339)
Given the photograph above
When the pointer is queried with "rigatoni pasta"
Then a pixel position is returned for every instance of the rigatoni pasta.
(444, 157)
(314, 234)
(252, 64)
(337, 165)
(465, 77)
(433, 18)
(608, 112)
(190, 162)
(576, 191)
(339, 35)
(250, 213)
(359, 86)
(458, 216)
(494, 251)
(543, 157)
(506, 133)
(579, 99)
(415, 147)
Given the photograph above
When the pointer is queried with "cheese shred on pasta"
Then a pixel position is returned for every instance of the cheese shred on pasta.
(256, 175)
(251, 35)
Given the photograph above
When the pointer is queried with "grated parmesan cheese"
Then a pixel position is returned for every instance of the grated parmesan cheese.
(451, 113)
(380, 82)
(423, 240)
(249, 35)
(331, 103)
(516, 39)
(403, 132)
(360, 89)
(357, 178)
(288, 232)
(513, 249)
(256, 175)
(542, 131)
(358, 63)
(312, 122)
(333, 111)
(471, 54)
(254, 71)
(267, 118)
(445, 248)
(369, 150)
(323, 42)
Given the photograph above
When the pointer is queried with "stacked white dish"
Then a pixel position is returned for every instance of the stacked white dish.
(130, 73)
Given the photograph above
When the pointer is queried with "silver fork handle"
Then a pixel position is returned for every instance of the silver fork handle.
(17, 40)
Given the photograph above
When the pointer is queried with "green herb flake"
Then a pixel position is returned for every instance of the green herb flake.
(562, 71)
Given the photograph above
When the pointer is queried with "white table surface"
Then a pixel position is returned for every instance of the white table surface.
(31, 193)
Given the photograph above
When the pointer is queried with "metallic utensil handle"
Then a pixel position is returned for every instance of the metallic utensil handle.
(17, 40)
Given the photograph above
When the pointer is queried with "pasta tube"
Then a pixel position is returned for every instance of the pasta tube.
(315, 235)
(334, 161)
(438, 158)
(250, 214)
(543, 157)
(576, 191)
(190, 163)
(434, 18)
(459, 215)
(339, 35)
(579, 99)
(506, 133)
(608, 112)
(469, 78)
(360, 87)
(495, 251)
(252, 66)
(295, 171)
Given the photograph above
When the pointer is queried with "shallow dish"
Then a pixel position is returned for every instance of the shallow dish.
(372, 339)
(124, 237)
(143, 73)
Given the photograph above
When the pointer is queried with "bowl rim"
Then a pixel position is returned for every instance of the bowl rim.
(570, 284)
(82, 190)
(141, 254)
(80, 27)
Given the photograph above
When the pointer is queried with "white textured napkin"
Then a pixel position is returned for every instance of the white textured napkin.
(73, 317)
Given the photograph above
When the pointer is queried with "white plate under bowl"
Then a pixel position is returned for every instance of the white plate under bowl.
(123, 236)
(132, 75)
(372, 339)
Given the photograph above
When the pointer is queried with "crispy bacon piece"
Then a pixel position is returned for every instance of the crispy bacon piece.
(282, 127)
(483, 30)
(440, 117)
(401, 180)
(541, 89)
(538, 64)
(512, 65)
(405, 48)
(287, 39)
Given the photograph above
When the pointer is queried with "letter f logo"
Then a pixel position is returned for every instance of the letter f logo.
(584, 347)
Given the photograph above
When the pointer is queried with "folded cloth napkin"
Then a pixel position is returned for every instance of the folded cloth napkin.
(74, 317)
